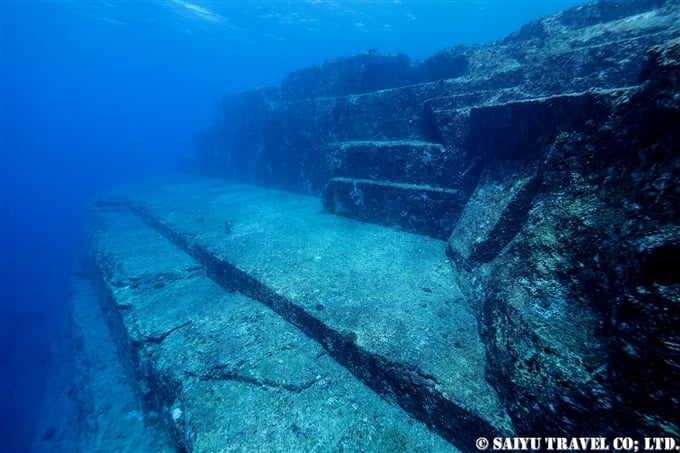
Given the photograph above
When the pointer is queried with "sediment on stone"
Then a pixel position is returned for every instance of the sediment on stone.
(360, 299)
(223, 371)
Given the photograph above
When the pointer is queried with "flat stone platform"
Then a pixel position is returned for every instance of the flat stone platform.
(246, 307)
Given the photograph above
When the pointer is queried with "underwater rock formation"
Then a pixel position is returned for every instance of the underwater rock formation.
(549, 162)
(498, 253)
(567, 245)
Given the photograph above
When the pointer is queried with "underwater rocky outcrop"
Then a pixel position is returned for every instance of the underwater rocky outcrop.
(548, 160)
(497, 254)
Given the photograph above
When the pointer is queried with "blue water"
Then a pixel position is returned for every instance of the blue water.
(95, 94)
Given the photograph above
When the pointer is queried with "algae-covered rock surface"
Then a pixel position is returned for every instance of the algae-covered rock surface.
(225, 372)
(568, 245)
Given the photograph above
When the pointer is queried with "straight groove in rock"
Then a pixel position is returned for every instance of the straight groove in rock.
(233, 374)
(398, 369)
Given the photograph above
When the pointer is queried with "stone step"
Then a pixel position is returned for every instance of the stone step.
(392, 114)
(517, 130)
(403, 161)
(383, 303)
(222, 371)
(597, 62)
(375, 190)
(486, 226)
(421, 209)
(471, 99)
(450, 127)
(506, 136)
(447, 117)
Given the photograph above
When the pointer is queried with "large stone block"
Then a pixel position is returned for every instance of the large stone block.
(408, 162)
(222, 371)
(382, 303)
(565, 249)
(416, 208)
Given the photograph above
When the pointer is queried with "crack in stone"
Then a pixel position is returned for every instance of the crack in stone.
(158, 339)
(411, 388)
(423, 375)
(222, 373)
